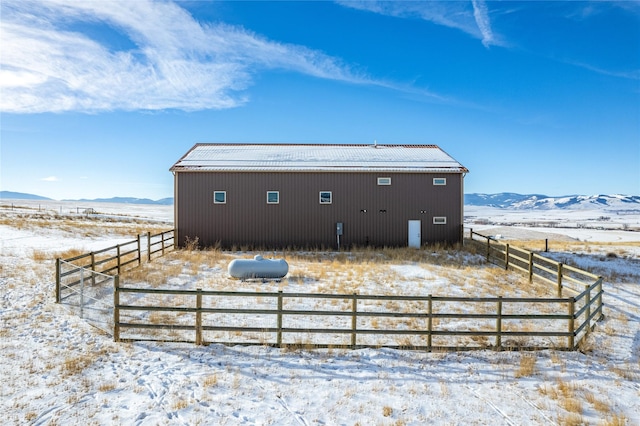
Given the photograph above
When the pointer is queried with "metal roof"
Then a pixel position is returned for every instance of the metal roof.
(327, 157)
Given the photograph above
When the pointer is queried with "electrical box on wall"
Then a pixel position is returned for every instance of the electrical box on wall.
(339, 228)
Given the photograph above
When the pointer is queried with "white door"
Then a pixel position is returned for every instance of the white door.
(415, 236)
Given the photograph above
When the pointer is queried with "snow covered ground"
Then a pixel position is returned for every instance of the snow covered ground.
(583, 224)
(58, 370)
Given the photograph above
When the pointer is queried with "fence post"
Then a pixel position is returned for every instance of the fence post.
(139, 251)
(58, 280)
(498, 346)
(354, 319)
(82, 291)
(559, 279)
(162, 238)
(599, 289)
(199, 316)
(279, 321)
(530, 267)
(116, 308)
(506, 256)
(572, 314)
(93, 268)
(118, 258)
(149, 246)
(429, 323)
(588, 306)
(546, 245)
(488, 248)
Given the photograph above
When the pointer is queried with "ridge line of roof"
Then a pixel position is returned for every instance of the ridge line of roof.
(360, 149)
(379, 145)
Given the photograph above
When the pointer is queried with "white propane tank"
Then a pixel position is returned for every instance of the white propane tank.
(258, 267)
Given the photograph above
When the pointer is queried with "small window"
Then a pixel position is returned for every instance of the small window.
(220, 197)
(439, 220)
(439, 181)
(384, 181)
(326, 197)
(273, 197)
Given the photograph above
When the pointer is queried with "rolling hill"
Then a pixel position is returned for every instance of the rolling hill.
(509, 200)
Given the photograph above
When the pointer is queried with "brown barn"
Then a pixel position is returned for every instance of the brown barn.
(324, 196)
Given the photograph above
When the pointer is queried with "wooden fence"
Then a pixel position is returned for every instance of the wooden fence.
(280, 319)
(586, 305)
(428, 323)
(432, 323)
(111, 260)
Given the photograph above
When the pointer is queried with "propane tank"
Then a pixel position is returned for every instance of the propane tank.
(258, 267)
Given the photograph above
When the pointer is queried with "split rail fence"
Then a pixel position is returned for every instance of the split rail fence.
(86, 283)
(91, 283)
(585, 306)
(432, 323)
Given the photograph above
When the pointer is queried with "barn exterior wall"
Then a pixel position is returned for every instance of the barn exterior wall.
(371, 214)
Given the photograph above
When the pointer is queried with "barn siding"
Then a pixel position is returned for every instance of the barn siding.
(299, 220)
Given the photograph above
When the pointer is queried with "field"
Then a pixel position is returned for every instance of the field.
(57, 369)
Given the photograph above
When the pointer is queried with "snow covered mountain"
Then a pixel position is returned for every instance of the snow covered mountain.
(505, 200)
(9, 195)
(128, 200)
(510, 200)
(118, 200)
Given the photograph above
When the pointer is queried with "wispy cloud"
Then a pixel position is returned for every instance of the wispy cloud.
(630, 74)
(50, 179)
(481, 14)
(469, 17)
(175, 62)
(598, 11)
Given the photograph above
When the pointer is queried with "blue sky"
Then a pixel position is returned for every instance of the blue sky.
(100, 99)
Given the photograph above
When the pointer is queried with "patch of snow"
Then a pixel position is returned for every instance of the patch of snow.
(57, 369)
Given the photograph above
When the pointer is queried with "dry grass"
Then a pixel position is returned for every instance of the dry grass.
(180, 404)
(618, 247)
(68, 254)
(106, 387)
(210, 381)
(387, 411)
(572, 405)
(40, 255)
(572, 419)
(615, 420)
(566, 389)
(598, 404)
(74, 365)
(627, 372)
(572, 399)
(436, 254)
(527, 366)
(87, 226)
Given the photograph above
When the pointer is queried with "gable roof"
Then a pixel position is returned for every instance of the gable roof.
(317, 157)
